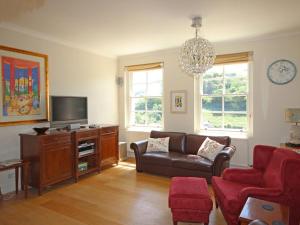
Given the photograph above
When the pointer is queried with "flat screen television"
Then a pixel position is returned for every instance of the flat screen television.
(65, 110)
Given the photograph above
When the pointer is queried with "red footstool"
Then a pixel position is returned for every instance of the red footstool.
(189, 200)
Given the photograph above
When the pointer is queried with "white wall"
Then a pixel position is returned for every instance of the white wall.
(269, 100)
(71, 72)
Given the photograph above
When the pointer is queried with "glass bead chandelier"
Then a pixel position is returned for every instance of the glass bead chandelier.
(197, 54)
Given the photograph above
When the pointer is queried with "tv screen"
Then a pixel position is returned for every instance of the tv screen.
(68, 109)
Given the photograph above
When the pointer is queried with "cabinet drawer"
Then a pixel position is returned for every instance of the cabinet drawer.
(107, 130)
(55, 146)
(87, 134)
(56, 139)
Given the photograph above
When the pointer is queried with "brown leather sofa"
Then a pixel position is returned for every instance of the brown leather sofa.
(182, 158)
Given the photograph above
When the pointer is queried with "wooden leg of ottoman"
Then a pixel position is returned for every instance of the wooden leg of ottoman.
(174, 222)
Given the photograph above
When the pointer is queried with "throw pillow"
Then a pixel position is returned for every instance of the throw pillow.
(210, 149)
(158, 144)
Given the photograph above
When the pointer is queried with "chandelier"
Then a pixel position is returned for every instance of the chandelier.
(197, 54)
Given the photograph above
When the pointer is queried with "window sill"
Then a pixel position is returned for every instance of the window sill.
(143, 129)
(234, 135)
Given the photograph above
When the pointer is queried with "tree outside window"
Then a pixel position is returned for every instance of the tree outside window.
(224, 97)
(145, 98)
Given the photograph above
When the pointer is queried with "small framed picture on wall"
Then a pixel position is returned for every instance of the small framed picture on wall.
(178, 101)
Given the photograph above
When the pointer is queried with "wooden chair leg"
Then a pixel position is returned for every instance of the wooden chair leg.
(24, 179)
(217, 206)
(17, 179)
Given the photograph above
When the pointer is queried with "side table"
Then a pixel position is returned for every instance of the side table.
(266, 211)
(296, 149)
(16, 165)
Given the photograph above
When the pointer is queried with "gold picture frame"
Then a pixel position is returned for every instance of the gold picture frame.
(24, 87)
(178, 101)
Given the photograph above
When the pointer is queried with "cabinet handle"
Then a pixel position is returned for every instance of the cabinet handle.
(108, 133)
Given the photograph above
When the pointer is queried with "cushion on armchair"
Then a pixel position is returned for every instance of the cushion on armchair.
(227, 193)
(245, 176)
(272, 177)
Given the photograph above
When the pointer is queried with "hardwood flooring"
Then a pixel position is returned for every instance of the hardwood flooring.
(117, 196)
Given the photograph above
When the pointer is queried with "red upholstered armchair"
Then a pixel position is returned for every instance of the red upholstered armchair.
(275, 177)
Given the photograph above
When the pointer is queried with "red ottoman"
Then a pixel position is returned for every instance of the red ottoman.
(189, 200)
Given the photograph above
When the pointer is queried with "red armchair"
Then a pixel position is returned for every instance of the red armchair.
(275, 177)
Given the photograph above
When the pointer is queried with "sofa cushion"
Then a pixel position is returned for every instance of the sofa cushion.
(194, 141)
(210, 149)
(227, 193)
(177, 139)
(158, 144)
(158, 158)
(191, 162)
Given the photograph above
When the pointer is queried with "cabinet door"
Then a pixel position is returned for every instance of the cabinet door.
(57, 164)
(109, 148)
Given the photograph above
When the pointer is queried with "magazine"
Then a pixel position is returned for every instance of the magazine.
(10, 162)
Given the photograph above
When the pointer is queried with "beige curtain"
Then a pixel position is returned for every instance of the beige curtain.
(234, 58)
(147, 66)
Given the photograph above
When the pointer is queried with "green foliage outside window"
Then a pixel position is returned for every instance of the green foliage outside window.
(153, 117)
(146, 98)
(224, 99)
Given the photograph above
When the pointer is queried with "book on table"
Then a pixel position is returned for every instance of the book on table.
(10, 162)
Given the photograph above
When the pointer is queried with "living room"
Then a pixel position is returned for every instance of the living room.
(93, 48)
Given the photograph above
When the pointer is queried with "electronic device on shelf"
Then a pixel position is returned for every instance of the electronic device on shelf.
(73, 126)
(86, 148)
(68, 110)
(93, 126)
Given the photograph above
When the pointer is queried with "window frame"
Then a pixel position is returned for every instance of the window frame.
(133, 126)
(248, 96)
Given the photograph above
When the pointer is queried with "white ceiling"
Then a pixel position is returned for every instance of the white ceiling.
(120, 27)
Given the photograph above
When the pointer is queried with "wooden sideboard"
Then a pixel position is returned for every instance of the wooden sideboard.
(54, 156)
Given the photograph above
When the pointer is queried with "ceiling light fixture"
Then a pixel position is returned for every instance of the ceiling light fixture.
(197, 55)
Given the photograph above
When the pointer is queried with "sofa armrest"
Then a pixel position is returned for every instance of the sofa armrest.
(257, 192)
(246, 176)
(222, 160)
(139, 148)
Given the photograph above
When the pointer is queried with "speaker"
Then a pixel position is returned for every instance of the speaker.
(119, 81)
(73, 126)
(122, 151)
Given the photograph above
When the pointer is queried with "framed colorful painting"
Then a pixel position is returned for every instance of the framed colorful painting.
(178, 101)
(24, 87)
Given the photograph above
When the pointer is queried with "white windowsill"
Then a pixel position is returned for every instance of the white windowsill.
(232, 134)
(143, 129)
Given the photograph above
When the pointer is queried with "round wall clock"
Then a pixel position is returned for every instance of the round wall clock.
(282, 71)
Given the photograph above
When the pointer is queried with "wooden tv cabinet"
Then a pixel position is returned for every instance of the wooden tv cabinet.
(54, 156)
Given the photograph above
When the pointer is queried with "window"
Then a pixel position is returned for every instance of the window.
(224, 97)
(145, 96)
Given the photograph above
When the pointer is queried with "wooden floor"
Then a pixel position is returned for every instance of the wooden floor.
(117, 196)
